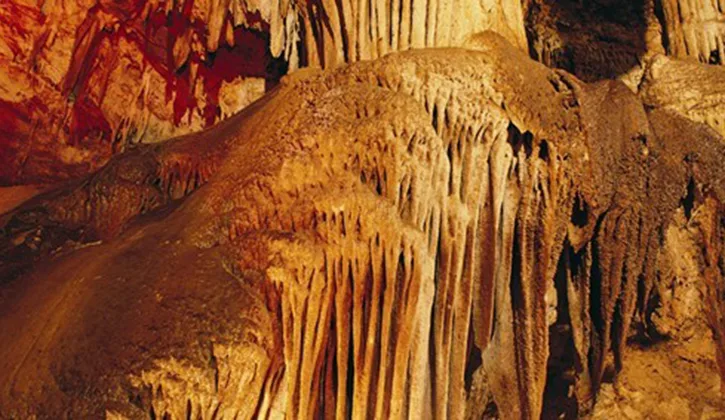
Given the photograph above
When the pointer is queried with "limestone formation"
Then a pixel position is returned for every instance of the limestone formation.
(687, 88)
(81, 80)
(361, 242)
(418, 221)
(694, 29)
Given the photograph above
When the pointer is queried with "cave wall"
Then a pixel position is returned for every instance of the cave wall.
(694, 29)
(427, 234)
(83, 80)
(441, 233)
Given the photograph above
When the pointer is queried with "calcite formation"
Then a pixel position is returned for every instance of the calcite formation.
(81, 80)
(694, 29)
(362, 209)
(438, 233)
(687, 88)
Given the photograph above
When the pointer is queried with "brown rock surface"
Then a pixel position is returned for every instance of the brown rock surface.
(425, 223)
(437, 233)
(81, 80)
(694, 29)
(690, 89)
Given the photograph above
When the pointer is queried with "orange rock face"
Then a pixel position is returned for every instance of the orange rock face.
(83, 80)
(444, 232)
(447, 233)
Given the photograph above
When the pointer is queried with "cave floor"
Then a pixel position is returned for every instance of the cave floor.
(666, 380)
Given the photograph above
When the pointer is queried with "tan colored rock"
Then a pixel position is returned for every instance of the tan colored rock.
(657, 383)
(690, 89)
(81, 80)
(694, 29)
(378, 240)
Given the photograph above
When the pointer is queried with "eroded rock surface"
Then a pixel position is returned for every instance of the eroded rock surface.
(692, 90)
(694, 29)
(439, 233)
(81, 80)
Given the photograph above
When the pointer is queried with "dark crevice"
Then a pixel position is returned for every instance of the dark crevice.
(491, 411)
(544, 151)
(517, 305)
(343, 32)
(714, 58)
(580, 213)
(437, 278)
(595, 313)
(561, 370)
(519, 140)
(135, 399)
(322, 21)
(434, 116)
(366, 328)
(449, 153)
(645, 334)
(303, 54)
(660, 15)
(688, 201)
(474, 359)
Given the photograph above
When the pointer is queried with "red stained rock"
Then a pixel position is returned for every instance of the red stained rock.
(81, 82)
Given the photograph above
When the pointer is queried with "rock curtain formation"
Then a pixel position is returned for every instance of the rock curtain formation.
(455, 231)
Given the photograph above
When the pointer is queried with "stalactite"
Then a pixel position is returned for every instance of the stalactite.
(382, 232)
(369, 29)
(693, 29)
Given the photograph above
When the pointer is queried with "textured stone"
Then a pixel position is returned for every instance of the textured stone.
(395, 229)
(360, 242)
(81, 80)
